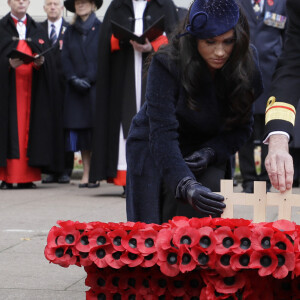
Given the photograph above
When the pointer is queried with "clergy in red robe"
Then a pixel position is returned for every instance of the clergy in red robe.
(29, 120)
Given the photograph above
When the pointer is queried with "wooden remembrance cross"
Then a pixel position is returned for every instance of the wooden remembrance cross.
(259, 201)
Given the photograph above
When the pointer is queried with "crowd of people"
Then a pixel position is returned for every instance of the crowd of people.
(162, 116)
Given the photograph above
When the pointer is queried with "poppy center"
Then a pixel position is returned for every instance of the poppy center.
(205, 242)
(185, 240)
(131, 297)
(131, 282)
(245, 243)
(84, 254)
(229, 280)
(101, 240)
(117, 255)
(265, 242)
(265, 261)
(194, 283)
(149, 243)
(225, 260)
(162, 283)
(203, 259)
(115, 281)
(132, 256)
(244, 260)
(186, 259)
(146, 283)
(101, 297)
(59, 252)
(101, 282)
(281, 245)
(172, 258)
(149, 257)
(84, 240)
(117, 296)
(117, 241)
(227, 242)
(100, 253)
(70, 239)
(132, 243)
(178, 284)
(281, 260)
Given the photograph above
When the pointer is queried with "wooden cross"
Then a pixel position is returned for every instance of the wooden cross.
(259, 201)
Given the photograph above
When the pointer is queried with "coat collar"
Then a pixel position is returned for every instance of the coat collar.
(118, 3)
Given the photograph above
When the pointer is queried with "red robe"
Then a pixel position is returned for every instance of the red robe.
(17, 170)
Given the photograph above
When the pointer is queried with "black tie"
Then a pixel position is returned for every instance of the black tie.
(53, 36)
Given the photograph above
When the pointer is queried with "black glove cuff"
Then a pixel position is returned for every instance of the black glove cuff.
(182, 186)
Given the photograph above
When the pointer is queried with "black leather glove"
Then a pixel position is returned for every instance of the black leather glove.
(80, 84)
(200, 197)
(200, 160)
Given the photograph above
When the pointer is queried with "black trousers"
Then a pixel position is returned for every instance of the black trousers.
(246, 154)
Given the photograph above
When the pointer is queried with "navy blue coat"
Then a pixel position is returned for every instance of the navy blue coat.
(165, 130)
(80, 59)
(268, 41)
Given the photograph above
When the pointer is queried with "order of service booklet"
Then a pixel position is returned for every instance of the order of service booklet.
(153, 32)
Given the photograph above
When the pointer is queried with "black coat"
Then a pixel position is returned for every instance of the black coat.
(286, 80)
(116, 99)
(45, 144)
(166, 130)
(268, 41)
(79, 58)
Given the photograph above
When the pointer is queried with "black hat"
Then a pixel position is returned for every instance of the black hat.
(70, 4)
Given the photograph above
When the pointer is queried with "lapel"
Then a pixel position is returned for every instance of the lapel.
(249, 8)
(89, 39)
(62, 30)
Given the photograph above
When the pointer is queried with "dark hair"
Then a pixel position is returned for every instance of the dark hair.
(233, 81)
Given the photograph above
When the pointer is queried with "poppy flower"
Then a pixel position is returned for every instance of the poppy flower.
(131, 259)
(243, 234)
(229, 285)
(97, 281)
(209, 293)
(226, 240)
(296, 287)
(98, 237)
(203, 259)
(169, 262)
(186, 235)
(186, 260)
(113, 281)
(207, 240)
(240, 261)
(164, 240)
(283, 289)
(54, 233)
(83, 243)
(179, 221)
(62, 256)
(113, 259)
(149, 260)
(98, 255)
(231, 223)
(116, 237)
(99, 295)
(286, 263)
(159, 283)
(200, 222)
(296, 270)
(84, 259)
(68, 237)
(147, 240)
(130, 242)
(266, 261)
(177, 285)
(261, 238)
(194, 284)
(223, 265)
(280, 241)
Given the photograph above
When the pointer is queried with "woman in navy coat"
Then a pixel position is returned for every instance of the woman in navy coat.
(198, 112)
(79, 60)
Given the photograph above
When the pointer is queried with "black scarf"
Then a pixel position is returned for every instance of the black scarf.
(83, 27)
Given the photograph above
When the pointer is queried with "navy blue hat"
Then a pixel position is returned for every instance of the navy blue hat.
(210, 18)
(70, 4)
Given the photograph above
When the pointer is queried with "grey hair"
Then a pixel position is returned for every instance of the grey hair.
(61, 2)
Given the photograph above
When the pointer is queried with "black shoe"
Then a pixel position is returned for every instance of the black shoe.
(83, 185)
(6, 186)
(50, 179)
(63, 179)
(27, 185)
(123, 195)
(248, 187)
(235, 183)
(93, 184)
(295, 183)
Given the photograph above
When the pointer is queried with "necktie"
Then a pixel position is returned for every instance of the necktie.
(53, 36)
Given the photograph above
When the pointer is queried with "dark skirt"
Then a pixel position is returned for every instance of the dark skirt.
(79, 139)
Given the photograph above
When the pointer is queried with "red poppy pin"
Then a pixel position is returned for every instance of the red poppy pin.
(270, 2)
(41, 41)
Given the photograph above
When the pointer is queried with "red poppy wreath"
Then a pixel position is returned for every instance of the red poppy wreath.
(185, 258)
